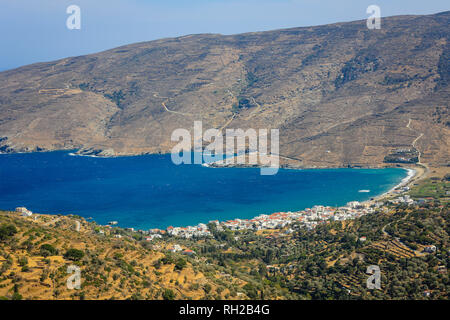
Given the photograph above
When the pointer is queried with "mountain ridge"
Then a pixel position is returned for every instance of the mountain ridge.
(340, 94)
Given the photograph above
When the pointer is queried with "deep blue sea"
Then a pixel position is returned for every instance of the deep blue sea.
(150, 191)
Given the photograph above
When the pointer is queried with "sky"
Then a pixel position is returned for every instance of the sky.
(35, 30)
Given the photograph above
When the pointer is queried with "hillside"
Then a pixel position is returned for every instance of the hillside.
(327, 262)
(340, 94)
(34, 261)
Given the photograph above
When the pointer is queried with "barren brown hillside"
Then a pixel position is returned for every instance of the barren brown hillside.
(340, 94)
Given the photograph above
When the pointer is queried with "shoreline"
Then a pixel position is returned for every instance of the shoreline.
(413, 173)
(75, 153)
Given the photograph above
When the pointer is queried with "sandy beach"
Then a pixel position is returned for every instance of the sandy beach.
(414, 174)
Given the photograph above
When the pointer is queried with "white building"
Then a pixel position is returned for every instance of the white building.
(175, 248)
(24, 211)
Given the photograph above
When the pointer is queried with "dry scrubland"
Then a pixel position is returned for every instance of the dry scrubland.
(111, 268)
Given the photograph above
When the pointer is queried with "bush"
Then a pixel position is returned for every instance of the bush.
(251, 291)
(168, 259)
(207, 288)
(48, 250)
(168, 294)
(74, 254)
(17, 296)
(22, 261)
(116, 97)
(7, 231)
(181, 263)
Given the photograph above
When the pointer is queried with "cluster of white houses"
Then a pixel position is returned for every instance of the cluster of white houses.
(198, 231)
(404, 199)
(309, 218)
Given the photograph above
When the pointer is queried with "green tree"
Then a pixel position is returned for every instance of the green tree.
(74, 254)
(181, 263)
(48, 250)
(7, 231)
(168, 294)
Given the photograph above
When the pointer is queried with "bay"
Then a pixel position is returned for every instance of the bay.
(149, 191)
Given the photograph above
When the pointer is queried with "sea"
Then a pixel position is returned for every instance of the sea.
(149, 191)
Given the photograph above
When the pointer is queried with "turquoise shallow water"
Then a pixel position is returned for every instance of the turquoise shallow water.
(150, 191)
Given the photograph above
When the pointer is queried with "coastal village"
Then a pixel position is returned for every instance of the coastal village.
(308, 218)
(283, 222)
(239, 258)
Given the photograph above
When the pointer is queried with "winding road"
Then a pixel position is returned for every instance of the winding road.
(415, 140)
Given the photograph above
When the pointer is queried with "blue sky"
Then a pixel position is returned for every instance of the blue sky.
(35, 30)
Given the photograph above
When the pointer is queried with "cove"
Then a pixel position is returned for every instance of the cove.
(149, 191)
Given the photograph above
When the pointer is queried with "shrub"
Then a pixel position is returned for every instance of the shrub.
(168, 294)
(74, 254)
(207, 288)
(48, 250)
(251, 291)
(181, 263)
(22, 261)
(7, 231)
(17, 296)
